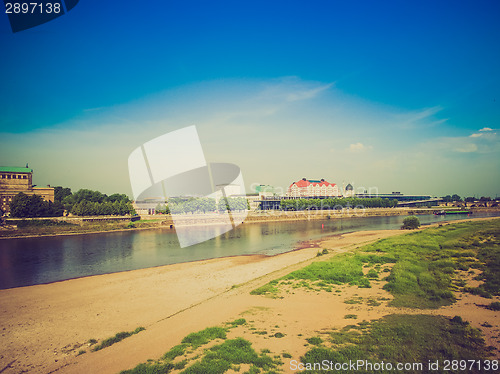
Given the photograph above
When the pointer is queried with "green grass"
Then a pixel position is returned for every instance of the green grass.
(425, 264)
(39, 223)
(117, 338)
(494, 306)
(315, 340)
(424, 337)
(238, 322)
(222, 357)
(215, 360)
(202, 337)
(269, 289)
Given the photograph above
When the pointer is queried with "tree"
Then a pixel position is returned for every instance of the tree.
(117, 197)
(30, 206)
(411, 223)
(455, 197)
(61, 192)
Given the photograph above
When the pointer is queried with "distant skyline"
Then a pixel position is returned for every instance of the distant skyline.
(388, 95)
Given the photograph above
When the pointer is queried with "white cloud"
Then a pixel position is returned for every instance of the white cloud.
(475, 135)
(358, 147)
(467, 148)
(486, 129)
(305, 94)
(419, 118)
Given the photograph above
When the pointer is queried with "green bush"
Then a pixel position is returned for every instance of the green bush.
(411, 223)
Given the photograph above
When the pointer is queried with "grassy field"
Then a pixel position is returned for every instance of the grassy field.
(406, 339)
(422, 269)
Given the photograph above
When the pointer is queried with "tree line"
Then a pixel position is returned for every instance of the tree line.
(335, 203)
(84, 202)
(202, 205)
(457, 199)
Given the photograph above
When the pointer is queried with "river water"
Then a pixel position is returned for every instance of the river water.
(29, 261)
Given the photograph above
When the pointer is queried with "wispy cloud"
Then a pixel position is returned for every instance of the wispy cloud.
(358, 147)
(486, 129)
(306, 94)
(467, 148)
(419, 118)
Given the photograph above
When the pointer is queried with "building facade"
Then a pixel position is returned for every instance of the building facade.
(18, 179)
(313, 188)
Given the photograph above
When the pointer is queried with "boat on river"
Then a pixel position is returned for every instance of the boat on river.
(445, 212)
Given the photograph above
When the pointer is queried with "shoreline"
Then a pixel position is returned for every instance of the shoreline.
(253, 217)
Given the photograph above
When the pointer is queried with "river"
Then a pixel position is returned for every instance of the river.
(29, 261)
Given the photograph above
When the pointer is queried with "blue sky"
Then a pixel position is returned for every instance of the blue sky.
(386, 94)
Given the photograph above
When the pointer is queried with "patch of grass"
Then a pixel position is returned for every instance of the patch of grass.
(350, 316)
(40, 223)
(279, 335)
(237, 322)
(81, 352)
(217, 359)
(354, 300)
(286, 355)
(315, 340)
(373, 302)
(176, 351)
(262, 332)
(323, 252)
(222, 357)
(180, 365)
(424, 267)
(269, 288)
(202, 337)
(495, 305)
(151, 368)
(422, 277)
(372, 274)
(117, 338)
(426, 338)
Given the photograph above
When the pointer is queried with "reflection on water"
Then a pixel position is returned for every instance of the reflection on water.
(41, 260)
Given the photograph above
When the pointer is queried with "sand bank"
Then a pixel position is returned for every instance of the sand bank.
(44, 327)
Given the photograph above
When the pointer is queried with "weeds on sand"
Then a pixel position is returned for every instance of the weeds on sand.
(219, 358)
(117, 338)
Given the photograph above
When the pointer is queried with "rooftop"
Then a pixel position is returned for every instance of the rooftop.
(14, 169)
(306, 182)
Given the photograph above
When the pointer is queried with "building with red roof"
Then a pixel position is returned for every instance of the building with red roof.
(313, 188)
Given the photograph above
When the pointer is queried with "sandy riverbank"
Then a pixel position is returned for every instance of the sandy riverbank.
(44, 327)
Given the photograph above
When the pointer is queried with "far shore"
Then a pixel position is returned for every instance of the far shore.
(165, 221)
